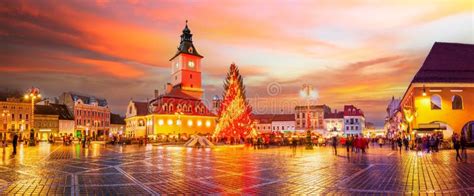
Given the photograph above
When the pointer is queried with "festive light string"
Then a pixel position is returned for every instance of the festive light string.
(234, 113)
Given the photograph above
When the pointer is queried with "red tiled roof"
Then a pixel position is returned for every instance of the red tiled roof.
(448, 62)
(177, 93)
(262, 118)
(142, 108)
(268, 118)
(334, 115)
(350, 110)
(284, 117)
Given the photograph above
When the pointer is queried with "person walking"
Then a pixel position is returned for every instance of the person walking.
(334, 144)
(405, 142)
(348, 144)
(457, 145)
(463, 143)
(14, 143)
(399, 143)
(380, 142)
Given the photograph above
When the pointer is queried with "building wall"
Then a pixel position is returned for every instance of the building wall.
(136, 126)
(15, 116)
(283, 125)
(66, 127)
(331, 123)
(91, 117)
(165, 124)
(316, 118)
(454, 118)
(263, 127)
(46, 125)
(354, 124)
(117, 129)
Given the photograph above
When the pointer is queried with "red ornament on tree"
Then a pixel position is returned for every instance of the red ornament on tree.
(234, 113)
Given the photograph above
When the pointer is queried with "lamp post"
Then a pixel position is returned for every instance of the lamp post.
(5, 116)
(308, 93)
(32, 95)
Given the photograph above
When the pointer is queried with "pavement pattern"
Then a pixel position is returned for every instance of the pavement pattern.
(152, 170)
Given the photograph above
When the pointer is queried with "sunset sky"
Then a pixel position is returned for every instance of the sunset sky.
(352, 52)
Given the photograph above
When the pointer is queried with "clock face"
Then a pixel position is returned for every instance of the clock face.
(190, 49)
(191, 64)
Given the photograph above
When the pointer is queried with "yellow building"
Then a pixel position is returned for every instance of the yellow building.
(441, 95)
(15, 116)
(179, 112)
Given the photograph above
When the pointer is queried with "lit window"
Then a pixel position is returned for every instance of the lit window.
(457, 102)
(208, 123)
(199, 123)
(190, 123)
(170, 122)
(435, 102)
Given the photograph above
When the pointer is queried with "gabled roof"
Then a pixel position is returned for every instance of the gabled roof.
(117, 119)
(178, 94)
(45, 110)
(142, 108)
(350, 110)
(88, 99)
(62, 111)
(334, 115)
(447, 62)
(262, 118)
(284, 117)
(269, 118)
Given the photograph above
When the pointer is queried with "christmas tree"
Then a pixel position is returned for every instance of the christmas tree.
(234, 113)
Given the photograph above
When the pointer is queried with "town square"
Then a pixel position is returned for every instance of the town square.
(243, 98)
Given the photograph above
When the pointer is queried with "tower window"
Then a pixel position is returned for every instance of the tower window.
(191, 76)
(175, 77)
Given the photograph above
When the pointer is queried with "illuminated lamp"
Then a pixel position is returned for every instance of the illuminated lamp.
(170, 122)
(208, 123)
(160, 122)
(424, 91)
(199, 123)
(190, 123)
(178, 122)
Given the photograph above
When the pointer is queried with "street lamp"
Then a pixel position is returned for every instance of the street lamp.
(32, 95)
(5, 116)
(308, 93)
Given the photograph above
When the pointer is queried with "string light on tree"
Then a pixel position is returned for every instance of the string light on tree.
(234, 113)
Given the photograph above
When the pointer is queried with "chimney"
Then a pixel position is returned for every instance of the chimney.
(168, 87)
(156, 93)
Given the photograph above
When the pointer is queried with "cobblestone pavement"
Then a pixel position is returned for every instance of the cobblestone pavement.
(139, 170)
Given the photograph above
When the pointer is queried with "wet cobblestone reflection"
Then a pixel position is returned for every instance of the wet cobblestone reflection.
(138, 170)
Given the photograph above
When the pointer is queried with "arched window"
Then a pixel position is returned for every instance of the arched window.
(185, 108)
(178, 108)
(457, 102)
(171, 108)
(165, 107)
(436, 102)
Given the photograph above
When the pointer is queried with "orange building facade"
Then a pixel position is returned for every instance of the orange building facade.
(441, 95)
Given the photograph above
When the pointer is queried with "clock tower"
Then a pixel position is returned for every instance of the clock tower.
(186, 66)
